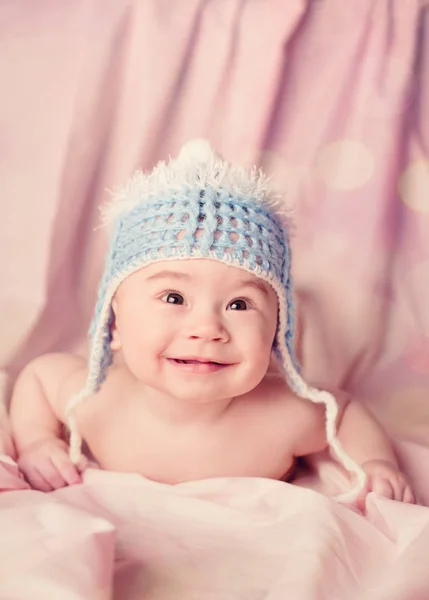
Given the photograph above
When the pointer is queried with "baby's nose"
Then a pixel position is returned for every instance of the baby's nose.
(208, 326)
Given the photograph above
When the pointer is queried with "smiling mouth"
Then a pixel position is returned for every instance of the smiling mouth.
(197, 366)
(192, 361)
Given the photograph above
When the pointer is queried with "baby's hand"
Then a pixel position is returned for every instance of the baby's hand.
(46, 465)
(6, 443)
(387, 481)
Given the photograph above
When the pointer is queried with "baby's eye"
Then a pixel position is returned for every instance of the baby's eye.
(239, 304)
(173, 298)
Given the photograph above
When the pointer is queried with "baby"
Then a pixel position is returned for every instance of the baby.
(195, 301)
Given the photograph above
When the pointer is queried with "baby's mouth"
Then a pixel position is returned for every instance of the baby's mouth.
(198, 365)
(191, 361)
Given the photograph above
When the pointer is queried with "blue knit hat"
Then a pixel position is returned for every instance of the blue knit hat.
(200, 206)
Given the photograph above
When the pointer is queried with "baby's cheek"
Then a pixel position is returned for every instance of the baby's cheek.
(268, 335)
(261, 347)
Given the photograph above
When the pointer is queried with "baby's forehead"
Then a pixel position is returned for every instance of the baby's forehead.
(198, 271)
(198, 268)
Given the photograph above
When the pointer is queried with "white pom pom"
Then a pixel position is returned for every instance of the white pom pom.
(198, 150)
(197, 166)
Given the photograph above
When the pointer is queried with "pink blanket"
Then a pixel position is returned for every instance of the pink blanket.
(331, 98)
(124, 537)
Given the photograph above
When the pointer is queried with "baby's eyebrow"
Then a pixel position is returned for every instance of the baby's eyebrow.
(168, 275)
(255, 283)
(249, 282)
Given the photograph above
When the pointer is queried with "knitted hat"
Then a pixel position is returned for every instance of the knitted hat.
(200, 206)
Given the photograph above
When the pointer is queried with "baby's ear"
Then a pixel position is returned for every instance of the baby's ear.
(115, 343)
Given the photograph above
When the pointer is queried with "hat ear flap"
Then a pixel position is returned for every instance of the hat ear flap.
(100, 359)
(115, 341)
(285, 351)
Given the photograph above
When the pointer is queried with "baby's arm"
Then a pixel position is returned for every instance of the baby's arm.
(37, 418)
(363, 438)
(7, 446)
(367, 443)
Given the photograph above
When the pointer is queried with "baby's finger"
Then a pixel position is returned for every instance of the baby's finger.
(361, 499)
(66, 468)
(10, 449)
(52, 475)
(37, 481)
(409, 496)
(83, 464)
(398, 486)
(382, 487)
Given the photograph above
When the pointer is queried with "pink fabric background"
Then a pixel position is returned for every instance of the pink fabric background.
(329, 96)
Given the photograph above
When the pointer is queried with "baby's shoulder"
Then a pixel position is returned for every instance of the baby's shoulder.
(301, 419)
(58, 375)
(275, 390)
(105, 400)
(53, 369)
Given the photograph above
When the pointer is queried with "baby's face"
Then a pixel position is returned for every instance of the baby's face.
(195, 329)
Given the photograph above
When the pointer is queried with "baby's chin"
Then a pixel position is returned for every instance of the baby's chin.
(197, 397)
(205, 395)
